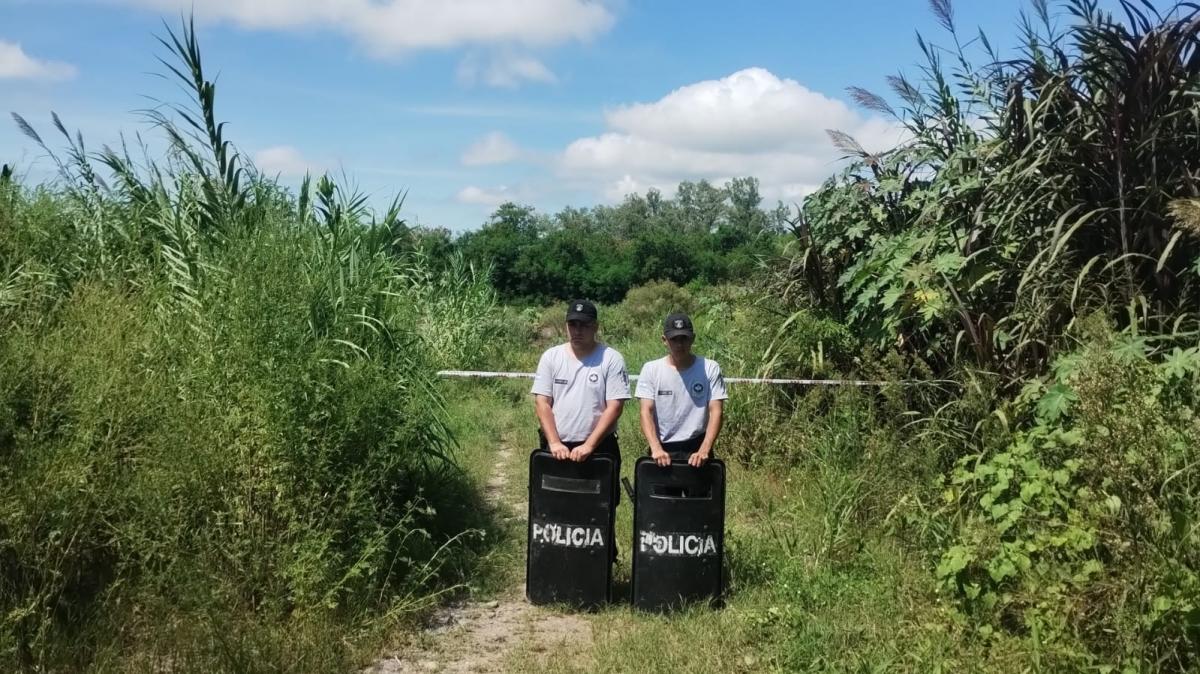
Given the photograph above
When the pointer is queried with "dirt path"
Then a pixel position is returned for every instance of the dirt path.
(479, 636)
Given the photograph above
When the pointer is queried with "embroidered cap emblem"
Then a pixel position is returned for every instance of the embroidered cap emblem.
(678, 323)
(578, 307)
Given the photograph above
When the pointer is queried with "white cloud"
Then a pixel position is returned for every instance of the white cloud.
(484, 197)
(16, 64)
(750, 123)
(504, 69)
(494, 148)
(284, 160)
(390, 27)
(750, 110)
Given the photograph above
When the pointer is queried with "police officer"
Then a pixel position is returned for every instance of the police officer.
(682, 398)
(579, 390)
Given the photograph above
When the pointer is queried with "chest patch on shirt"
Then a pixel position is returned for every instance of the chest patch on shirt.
(593, 377)
(564, 382)
(697, 388)
(666, 393)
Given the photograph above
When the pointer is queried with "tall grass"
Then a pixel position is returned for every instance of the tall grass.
(219, 436)
(1034, 190)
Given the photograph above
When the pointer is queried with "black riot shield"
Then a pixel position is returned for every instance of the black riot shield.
(570, 530)
(678, 534)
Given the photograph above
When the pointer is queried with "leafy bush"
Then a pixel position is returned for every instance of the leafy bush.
(982, 236)
(642, 311)
(1082, 529)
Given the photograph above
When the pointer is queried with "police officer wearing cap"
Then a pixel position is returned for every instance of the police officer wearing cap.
(682, 398)
(580, 388)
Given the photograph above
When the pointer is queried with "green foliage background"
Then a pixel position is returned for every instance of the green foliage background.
(705, 235)
(222, 446)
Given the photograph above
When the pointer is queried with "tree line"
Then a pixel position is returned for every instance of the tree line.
(706, 234)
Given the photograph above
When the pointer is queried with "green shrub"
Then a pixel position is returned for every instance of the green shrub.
(642, 311)
(1081, 530)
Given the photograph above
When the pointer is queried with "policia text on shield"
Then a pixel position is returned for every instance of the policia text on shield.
(678, 534)
(570, 535)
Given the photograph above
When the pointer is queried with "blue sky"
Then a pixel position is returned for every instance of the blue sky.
(467, 103)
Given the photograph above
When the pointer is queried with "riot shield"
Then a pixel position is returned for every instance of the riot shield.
(568, 558)
(678, 534)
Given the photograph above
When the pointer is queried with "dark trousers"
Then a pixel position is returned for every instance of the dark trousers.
(682, 449)
(607, 447)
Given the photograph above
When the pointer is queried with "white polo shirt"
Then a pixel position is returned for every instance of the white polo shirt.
(580, 389)
(681, 398)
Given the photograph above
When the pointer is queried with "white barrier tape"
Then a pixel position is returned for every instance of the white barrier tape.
(487, 375)
(728, 380)
(811, 382)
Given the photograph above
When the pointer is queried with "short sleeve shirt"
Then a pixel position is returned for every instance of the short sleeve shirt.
(681, 398)
(580, 389)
